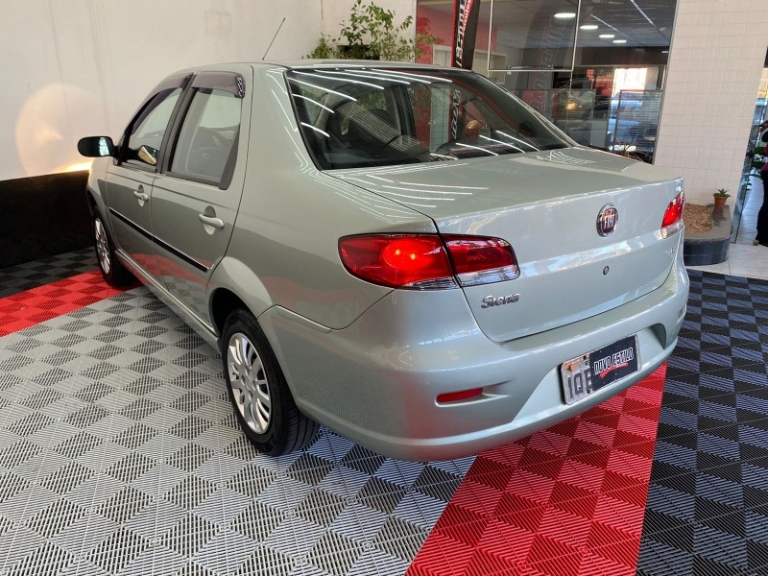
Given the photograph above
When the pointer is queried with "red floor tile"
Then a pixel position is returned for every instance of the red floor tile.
(566, 501)
(40, 304)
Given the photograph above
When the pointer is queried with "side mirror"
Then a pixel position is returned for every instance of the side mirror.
(96, 146)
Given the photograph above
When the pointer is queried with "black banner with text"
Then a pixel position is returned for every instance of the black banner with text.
(465, 14)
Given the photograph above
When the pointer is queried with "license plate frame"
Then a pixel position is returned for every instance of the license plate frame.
(583, 375)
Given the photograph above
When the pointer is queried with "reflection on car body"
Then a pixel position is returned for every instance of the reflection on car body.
(406, 254)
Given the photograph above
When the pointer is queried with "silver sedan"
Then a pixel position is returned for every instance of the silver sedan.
(408, 255)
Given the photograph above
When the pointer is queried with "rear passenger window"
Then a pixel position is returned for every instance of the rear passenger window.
(207, 136)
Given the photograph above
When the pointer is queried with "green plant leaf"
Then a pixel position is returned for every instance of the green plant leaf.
(372, 33)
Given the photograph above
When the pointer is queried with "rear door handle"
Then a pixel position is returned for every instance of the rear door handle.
(143, 196)
(211, 221)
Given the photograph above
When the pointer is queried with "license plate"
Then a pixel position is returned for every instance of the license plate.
(584, 374)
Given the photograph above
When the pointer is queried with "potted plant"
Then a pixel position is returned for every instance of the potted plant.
(372, 33)
(720, 197)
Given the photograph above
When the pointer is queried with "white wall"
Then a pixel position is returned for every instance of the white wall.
(80, 67)
(716, 61)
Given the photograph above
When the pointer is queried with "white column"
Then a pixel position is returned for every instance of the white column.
(716, 60)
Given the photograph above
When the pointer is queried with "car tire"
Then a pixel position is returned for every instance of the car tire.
(261, 399)
(113, 271)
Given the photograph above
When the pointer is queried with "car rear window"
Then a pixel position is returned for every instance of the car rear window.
(359, 117)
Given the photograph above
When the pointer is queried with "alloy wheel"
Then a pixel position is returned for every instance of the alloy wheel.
(102, 246)
(249, 383)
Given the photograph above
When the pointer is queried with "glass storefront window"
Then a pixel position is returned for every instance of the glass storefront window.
(595, 69)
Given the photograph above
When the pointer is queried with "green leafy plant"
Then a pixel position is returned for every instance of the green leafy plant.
(325, 49)
(721, 193)
(372, 33)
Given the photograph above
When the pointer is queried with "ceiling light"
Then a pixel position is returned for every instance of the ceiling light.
(619, 41)
(589, 27)
(607, 36)
(565, 15)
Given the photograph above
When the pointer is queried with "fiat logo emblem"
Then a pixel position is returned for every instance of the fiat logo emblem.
(607, 220)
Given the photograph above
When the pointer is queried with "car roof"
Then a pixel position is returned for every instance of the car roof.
(315, 63)
(311, 63)
(308, 64)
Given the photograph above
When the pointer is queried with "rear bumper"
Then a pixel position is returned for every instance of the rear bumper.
(376, 381)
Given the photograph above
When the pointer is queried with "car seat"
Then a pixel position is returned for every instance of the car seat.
(370, 131)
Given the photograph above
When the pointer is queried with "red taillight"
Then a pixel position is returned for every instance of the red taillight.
(421, 261)
(399, 261)
(672, 222)
(479, 260)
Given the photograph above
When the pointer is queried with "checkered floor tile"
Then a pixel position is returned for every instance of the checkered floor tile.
(29, 308)
(566, 501)
(119, 454)
(15, 279)
(708, 498)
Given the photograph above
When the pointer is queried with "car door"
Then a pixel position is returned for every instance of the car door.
(130, 178)
(196, 196)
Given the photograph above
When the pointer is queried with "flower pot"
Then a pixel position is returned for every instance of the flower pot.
(720, 201)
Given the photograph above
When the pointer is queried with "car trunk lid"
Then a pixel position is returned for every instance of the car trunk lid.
(546, 205)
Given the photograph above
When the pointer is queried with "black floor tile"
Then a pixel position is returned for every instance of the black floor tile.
(22, 277)
(707, 510)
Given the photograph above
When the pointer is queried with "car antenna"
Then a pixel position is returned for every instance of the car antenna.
(273, 38)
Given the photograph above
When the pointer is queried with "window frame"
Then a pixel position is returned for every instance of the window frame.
(231, 82)
(177, 81)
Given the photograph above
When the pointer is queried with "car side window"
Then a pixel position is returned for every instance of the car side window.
(147, 130)
(208, 135)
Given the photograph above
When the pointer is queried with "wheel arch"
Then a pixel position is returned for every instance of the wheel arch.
(90, 198)
(97, 205)
(223, 302)
(225, 297)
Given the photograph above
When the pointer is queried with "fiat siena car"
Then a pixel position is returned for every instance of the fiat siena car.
(407, 255)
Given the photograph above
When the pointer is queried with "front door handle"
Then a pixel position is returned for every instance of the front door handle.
(143, 196)
(211, 221)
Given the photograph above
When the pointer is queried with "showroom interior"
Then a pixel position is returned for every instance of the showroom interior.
(120, 452)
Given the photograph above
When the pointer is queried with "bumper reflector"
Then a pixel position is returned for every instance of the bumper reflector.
(458, 396)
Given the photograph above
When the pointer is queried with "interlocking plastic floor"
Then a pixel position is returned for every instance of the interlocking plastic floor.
(119, 454)
(41, 272)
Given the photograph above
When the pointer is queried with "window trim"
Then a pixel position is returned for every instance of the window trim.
(176, 81)
(204, 81)
(231, 82)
